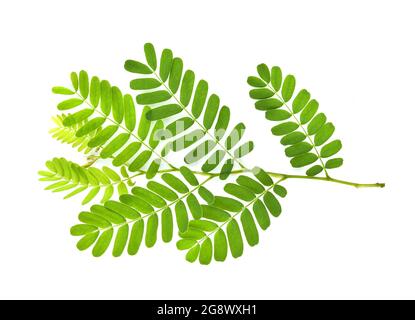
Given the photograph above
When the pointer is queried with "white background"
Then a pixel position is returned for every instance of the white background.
(331, 242)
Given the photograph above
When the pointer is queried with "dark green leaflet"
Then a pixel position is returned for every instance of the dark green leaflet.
(200, 98)
(235, 239)
(189, 176)
(153, 97)
(268, 104)
(175, 74)
(239, 192)
(235, 136)
(303, 160)
(223, 122)
(303, 128)
(301, 100)
(166, 62)
(256, 82)
(261, 215)
(315, 170)
(262, 176)
(137, 67)
(297, 149)
(264, 72)
(324, 134)
(148, 196)
(211, 111)
(187, 87)
(331, 149)
(284, 128)
(115, 145)
(163, 112)
(215, 214)
(250, 228)
(162, 190)
(292, 138)
(194, 206)
(206, 195)
(277, 115)
(150, 55)
(334, 163)
(144, 84)
(227, 204)
(250, 183)
(153, 168)
(261, 93)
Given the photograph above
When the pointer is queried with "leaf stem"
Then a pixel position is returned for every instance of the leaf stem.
(285, 176)
(328, 179)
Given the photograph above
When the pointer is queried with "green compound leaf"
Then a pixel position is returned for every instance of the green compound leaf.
(302, 128)
(172, 91)
(226, 221)
(72, 179)
(66, 133)
(107, 120)
(173, 111)
(140, 217)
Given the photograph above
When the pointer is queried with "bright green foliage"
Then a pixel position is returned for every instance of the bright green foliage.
(141, 197)
(196, 121)
(105, 119)
(67, 134)
(304, 131)
(227, 221)
(73, 179)
(142, 216)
